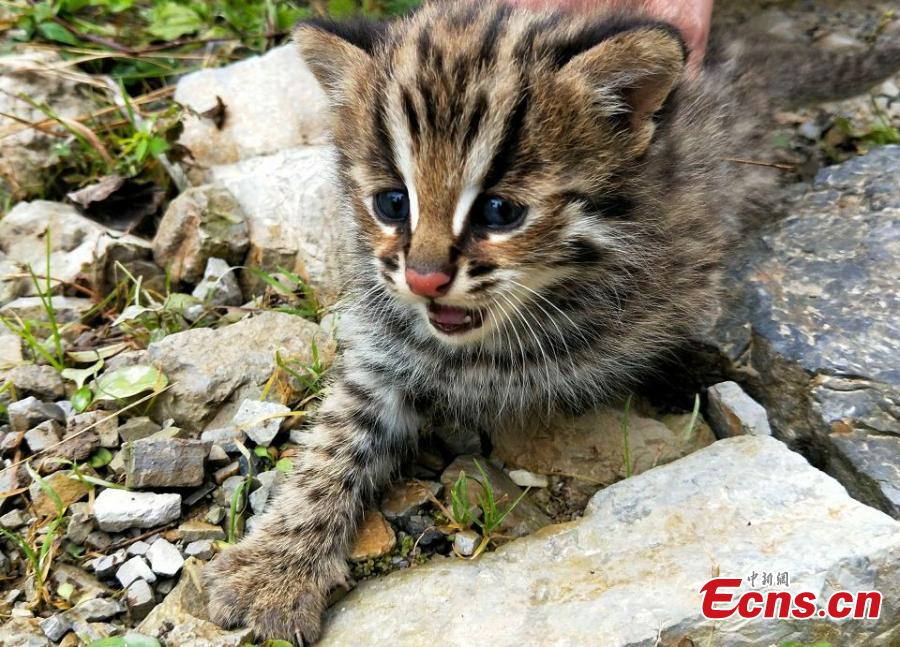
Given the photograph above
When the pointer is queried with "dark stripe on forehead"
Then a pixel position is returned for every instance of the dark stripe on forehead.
(411, 117)
(506, 152)
(382, 153)
(525, 46)
(479, 108)
(492, 34)
(609, 205)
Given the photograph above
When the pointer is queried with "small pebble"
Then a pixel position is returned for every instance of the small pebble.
(524, 478)
(165, 559)
(134, 569)
(138, 548)
(140, 599)
(466, 542)
(201, 549)
(14, 519)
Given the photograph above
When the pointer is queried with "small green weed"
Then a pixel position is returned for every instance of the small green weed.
(39, 554)
(462, 515)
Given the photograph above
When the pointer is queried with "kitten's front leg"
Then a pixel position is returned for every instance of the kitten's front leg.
(276, 580)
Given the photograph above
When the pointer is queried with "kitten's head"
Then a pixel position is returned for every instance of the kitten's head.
(490, 153)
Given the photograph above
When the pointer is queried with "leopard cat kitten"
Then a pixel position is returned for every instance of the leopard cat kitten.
(537, 204)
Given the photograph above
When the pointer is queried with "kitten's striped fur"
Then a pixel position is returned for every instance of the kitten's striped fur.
(620, 158)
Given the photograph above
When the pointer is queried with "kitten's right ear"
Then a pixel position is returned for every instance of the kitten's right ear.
(332, 50)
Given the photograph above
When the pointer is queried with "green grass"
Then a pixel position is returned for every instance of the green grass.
(39, 553)
(461, 515)
(50, 348)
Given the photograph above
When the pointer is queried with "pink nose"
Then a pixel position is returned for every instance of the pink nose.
(430, 284)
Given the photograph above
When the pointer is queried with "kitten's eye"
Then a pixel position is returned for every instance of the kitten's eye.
(392, 206)
(493, 212)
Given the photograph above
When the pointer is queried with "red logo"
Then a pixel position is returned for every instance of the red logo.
(721, 599)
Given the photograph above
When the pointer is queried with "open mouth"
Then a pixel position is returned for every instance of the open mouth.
(451, 320)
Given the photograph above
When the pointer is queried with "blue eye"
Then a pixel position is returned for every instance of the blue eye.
(392, 206)
(493, 212)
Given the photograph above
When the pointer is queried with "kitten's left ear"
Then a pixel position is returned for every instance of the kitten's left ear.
(633, 71)
(332, 50)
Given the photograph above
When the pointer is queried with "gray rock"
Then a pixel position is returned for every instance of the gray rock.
(138, 548)
(140, 599)
(66, 309)
(630, 570)
(105, 566)
(14, 519)
(77, 445)
(134, 569)
(26, 153)
(43, 382)
(22, 632)
(203, 222)
(137, 428)
(734, 413)
(117, 510)
(219, 285)
(293, 214)
(80, 248)
(29, 412)
(164, 462)
(260, 420)
(225, 438)
(257, 120)
(98, 609)
(201, 549)
(58, 625)
(811, 328)
(209, 367)
(81, 523)
(45, 435)
(267, 482)
(165, 559)
(465, 542)
(104, 425)
(183, 617)
(215, 514)
(98, 540)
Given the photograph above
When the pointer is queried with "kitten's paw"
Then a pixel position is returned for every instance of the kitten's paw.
(250, 587)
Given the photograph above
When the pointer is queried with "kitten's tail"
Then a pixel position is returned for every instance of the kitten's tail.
(789, 75)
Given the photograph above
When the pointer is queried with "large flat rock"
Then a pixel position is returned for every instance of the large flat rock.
(208, 367)
(630, 571)
(813, 325)
(293, 209)
(271, 102)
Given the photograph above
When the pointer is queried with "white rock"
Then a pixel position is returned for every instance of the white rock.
(201, 549)
(117, 510)
(164, 558)
(524, 478)
(140, 599)
(631, 569)
(134, 569)
(258, 120)
(78, 246)
(733, 413)
(219, 286)
(260, 420)
(293, 211)
(138, 548)
(466, 542)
